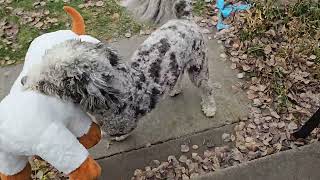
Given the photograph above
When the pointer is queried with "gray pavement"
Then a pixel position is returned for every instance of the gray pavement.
(7, 77)
(122, 166)
(299, 164)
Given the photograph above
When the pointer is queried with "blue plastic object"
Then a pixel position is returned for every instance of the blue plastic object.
(226, 11)
(220, 24)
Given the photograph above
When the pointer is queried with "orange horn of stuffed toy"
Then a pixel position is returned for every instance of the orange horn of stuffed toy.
(78, 25)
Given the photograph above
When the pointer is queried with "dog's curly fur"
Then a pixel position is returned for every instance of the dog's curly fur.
(119, 93)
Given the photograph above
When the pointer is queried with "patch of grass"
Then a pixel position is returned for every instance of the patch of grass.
(55, 6)
(101, 22)
(257, 51)
(282, 100)
(2, 12)
(316, 52)
(316, 73)
(245, 35)
(5, 51)
(269, 14)
(294, 32)
(249, 34)
(26, 4)
(26, 35)
(199, 7)
(109, 21)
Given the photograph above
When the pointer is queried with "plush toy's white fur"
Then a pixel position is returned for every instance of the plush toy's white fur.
(34, 124)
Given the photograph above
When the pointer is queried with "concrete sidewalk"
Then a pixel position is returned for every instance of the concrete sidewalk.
(122, 166)
(299, 164)
(7, 77)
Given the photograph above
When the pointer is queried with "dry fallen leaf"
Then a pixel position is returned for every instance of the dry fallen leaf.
(185, 148)
(99, 3)
(292, 126)
(267, 49)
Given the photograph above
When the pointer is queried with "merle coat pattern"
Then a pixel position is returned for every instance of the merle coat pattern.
(118, 93)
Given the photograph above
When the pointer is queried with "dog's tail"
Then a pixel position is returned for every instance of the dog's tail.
(183, 9)
(78, 25)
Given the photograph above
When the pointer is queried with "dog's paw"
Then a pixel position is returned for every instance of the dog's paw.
(209, 111)
(209, 108)
(120, 138)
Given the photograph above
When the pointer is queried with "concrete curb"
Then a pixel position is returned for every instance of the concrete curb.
(122, 165)
(297, 164)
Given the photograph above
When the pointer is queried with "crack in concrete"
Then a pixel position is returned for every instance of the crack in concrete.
(168, 140)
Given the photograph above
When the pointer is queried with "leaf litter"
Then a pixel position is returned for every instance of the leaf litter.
(22, 21)
(276, 51)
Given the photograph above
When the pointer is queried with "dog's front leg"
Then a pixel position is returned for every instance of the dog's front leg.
(199, 75)
(177, 88)
(208, 102)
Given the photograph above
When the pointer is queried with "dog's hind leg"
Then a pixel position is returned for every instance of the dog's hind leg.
(199, 75)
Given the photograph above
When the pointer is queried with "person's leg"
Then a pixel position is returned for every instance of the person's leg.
(14, 167)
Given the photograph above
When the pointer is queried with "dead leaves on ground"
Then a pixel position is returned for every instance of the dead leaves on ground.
(44, 171)
(21, 22)
(13, 24)
(276, 51)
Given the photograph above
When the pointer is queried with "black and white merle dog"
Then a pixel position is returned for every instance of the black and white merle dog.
(118, 93)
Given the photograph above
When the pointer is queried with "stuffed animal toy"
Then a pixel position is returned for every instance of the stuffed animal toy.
(34, 124)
